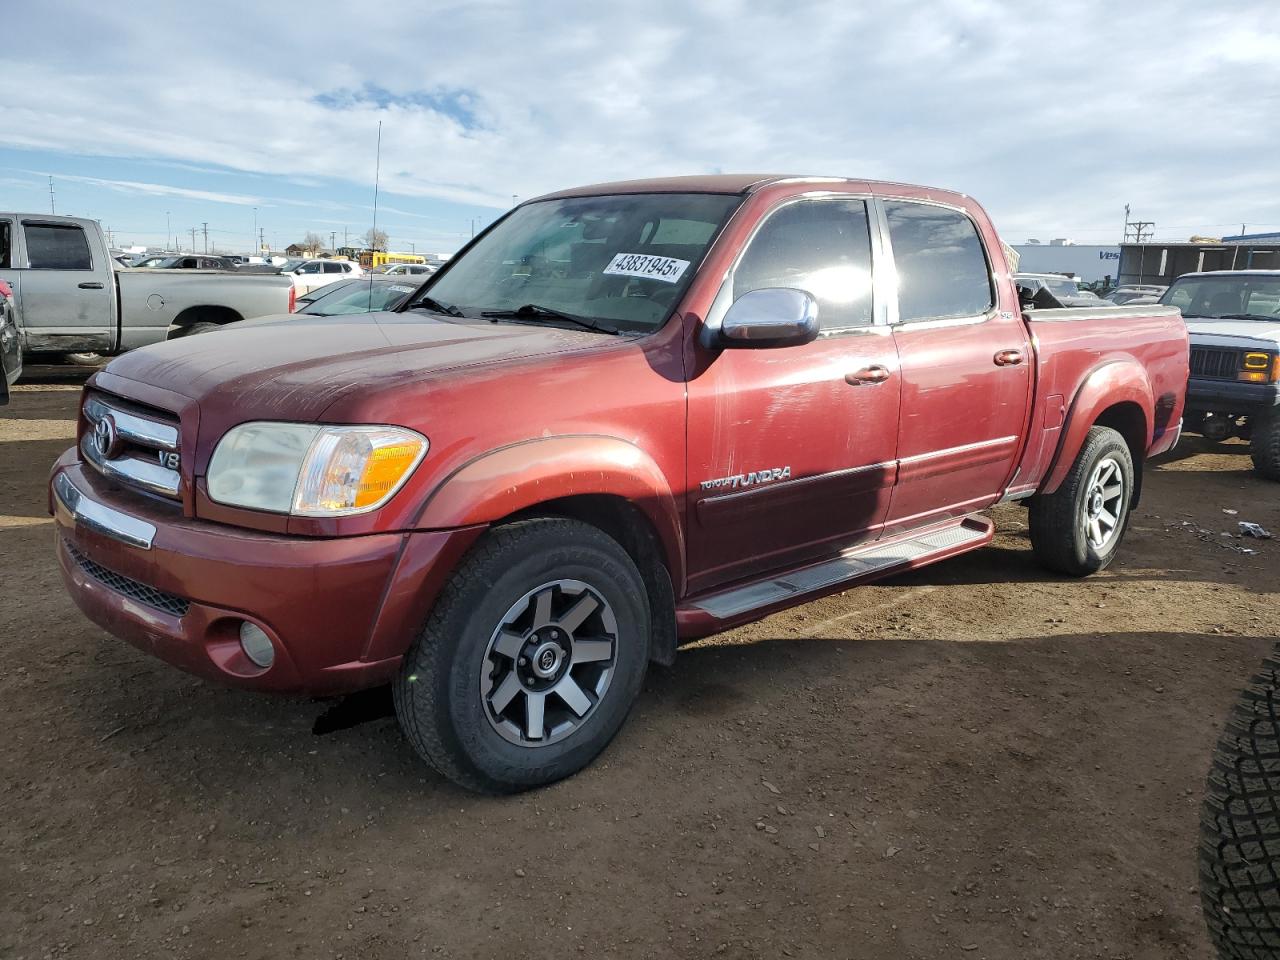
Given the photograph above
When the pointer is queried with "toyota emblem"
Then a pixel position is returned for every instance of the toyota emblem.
(105, 438)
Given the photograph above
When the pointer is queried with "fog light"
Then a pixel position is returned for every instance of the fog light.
(256, 644)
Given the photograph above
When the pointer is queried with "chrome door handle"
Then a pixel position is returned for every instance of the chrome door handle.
(90, 285)
(1008, 358)
(876, 373)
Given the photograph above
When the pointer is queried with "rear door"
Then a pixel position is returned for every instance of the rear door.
(966, 366)
(67, 295)
(790, 454)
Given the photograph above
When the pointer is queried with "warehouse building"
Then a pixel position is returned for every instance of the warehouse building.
(1160, 262)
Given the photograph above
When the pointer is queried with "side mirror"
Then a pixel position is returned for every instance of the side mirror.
(769, 317)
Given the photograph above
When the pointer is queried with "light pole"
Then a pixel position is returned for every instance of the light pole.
(168, 232)
(255, 228)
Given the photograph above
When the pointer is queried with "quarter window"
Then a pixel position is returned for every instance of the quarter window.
(942, 269)
(56, 247)
(820, 246)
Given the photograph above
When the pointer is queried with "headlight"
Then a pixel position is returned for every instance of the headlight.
(311, 470)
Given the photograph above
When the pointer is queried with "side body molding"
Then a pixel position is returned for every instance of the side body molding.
(505, 481)
(1111, 383)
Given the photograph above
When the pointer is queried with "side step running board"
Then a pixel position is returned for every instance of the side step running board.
(718, 611)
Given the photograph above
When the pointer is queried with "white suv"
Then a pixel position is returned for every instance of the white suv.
(311, 274)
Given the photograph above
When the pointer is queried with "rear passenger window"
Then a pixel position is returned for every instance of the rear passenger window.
(331, 268)
(6, 258)
(821, 246)
(942, 269)
(56, 247)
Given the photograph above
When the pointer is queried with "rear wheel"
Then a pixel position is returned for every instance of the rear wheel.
(1264, 448)
(1077, 529)
(531, 659)
(203, 326)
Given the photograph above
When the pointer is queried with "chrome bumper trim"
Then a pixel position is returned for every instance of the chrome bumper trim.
(98, 516)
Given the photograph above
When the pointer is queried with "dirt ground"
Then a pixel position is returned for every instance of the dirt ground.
(976, 760)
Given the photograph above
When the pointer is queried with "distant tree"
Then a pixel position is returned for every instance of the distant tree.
(376, 239)
(313, 243)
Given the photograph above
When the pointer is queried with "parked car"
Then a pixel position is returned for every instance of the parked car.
(1233, 317)
(74, 300)
(359, 295)
(1046, 291)
(308, 275)
(404, 269)
(193, 261)
(150, 261)
(624, 417)
(10, 345)
(1136, 292)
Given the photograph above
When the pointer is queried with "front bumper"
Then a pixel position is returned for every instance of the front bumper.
(1231, 396)
(340, 612)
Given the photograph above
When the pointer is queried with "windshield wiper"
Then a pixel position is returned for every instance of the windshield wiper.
(533, 311)
(1245, 316)
(430, 303)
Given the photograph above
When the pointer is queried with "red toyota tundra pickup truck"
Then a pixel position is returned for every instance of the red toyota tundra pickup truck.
(623, 416)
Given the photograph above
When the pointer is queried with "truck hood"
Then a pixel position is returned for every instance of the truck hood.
(1234, 333)
(296, 367)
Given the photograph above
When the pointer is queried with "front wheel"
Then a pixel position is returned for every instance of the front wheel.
(1077, 529)
(1264, 448)
(531, 659)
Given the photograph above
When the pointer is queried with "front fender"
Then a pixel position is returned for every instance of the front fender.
(515, 478)
(1114, 382)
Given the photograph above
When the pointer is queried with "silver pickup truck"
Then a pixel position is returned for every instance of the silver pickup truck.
(71, 297)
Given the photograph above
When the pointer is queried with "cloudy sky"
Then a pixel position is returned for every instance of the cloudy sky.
(1053, 114)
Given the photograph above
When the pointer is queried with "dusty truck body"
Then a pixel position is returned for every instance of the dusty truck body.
(624, 416)
(73, 298)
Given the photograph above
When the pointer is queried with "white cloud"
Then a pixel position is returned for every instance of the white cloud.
(1053, 121)
(163, 190)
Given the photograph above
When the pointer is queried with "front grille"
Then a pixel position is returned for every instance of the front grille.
(165, 602)
(1215, 363)
(134, 445)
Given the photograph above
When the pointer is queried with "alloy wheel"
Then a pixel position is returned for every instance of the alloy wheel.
(1103, 503)
(549, 663)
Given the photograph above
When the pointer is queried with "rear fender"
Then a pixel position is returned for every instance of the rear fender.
(524, 475)
(1115, 382)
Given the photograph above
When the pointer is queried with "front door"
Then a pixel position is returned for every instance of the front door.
(65, 298)
(791, 450)
(966, 363)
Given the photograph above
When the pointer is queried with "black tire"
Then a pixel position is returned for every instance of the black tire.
(204, 326)
(1060, 537)
(1264, 448)
(438, 695)
(86, 359)
(1240, 826)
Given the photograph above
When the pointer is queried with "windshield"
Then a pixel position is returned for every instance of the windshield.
(1250, 297)
(623, 261)
(358, 296)
(1061, 287)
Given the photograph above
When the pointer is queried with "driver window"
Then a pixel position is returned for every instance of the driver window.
(820, 246)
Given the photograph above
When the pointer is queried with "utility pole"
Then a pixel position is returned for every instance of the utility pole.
(262, 238)
(333, 239)
(345, 241)
(193, 239)
(52, 208)
(206, 235)
(413, 247)
(1137, 231)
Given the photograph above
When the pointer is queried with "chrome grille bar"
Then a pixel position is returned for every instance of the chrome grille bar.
(133, 428)
(131, 470)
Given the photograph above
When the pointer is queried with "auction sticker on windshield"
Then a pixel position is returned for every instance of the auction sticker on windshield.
(666, 269)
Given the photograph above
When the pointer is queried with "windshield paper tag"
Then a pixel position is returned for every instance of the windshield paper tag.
(666, 269)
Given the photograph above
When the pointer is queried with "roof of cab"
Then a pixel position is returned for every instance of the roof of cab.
(730, 183)
(735, 184)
